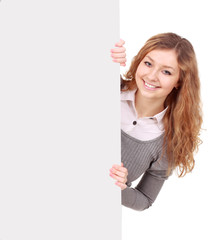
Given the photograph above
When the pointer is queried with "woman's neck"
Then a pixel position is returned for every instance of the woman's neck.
(147, 107)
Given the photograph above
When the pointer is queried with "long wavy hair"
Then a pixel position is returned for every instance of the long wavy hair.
(183, 118)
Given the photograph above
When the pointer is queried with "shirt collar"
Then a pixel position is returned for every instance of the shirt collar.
(130, 96)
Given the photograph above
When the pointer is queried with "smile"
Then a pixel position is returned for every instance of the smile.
(149, 86)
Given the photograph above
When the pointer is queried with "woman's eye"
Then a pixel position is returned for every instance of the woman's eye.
(167, 72)
(148, 64)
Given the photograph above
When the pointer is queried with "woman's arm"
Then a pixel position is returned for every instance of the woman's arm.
(144, 194)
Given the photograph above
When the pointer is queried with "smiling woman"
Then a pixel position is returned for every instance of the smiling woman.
(160, 117)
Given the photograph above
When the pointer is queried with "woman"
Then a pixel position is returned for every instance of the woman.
(160, 117)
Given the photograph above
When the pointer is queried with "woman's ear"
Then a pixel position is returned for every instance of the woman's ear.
(177, 85)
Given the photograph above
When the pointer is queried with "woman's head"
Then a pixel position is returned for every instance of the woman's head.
(157, 75)
(185, 56)
(183, 118)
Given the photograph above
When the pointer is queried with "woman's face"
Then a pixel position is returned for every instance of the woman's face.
(157, 74)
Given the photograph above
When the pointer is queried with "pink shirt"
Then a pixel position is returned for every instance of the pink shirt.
(145, 128)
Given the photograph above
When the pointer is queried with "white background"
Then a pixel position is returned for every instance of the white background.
(59, 120)
(191, 207)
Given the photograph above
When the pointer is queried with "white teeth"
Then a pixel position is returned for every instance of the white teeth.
(150, 86)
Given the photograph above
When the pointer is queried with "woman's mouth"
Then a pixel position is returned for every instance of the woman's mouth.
(149, 86)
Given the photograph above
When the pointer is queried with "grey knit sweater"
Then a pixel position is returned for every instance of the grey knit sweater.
(143, 157)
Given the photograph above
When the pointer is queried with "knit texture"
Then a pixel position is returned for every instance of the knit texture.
(143, 157)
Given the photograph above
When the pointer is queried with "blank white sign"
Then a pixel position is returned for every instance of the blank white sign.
(59, 120)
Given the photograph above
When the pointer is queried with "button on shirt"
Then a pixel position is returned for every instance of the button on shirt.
(146, 128)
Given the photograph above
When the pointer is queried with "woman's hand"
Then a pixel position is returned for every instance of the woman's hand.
(118, 54)
(120, 174)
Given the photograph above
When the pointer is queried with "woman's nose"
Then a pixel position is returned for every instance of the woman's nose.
(152, 75)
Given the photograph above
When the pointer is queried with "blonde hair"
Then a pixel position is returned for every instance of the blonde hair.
(183, 118)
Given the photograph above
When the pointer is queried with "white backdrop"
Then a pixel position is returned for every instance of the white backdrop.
(192, 207)
(59, 120)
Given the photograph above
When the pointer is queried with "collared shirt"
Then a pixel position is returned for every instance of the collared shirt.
(146, 128)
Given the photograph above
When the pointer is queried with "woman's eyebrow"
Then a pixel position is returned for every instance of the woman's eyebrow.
(162, 65)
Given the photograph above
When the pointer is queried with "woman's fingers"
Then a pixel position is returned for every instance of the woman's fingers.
(121, 185)
(120, 43)
(119, 168)
(118, 50)
(120, 179)
(119, 173)
(119, 60)
(122, 173)
(118, 55)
